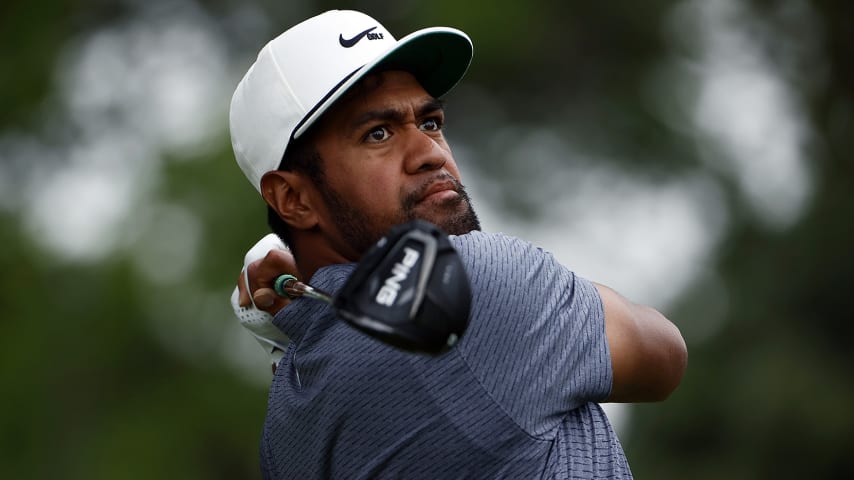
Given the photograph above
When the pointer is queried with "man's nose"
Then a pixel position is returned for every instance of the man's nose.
(423, 152)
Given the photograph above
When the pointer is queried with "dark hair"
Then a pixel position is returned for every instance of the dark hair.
(302, 157)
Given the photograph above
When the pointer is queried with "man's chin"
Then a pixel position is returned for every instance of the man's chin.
(457, 219)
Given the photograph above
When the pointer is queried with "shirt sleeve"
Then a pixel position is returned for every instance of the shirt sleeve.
(536, 339)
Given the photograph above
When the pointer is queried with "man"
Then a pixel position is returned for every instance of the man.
(338, 127)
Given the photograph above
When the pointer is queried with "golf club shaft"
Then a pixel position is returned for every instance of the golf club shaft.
(295, 288)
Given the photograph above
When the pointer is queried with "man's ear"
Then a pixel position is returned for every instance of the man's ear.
(288, 193)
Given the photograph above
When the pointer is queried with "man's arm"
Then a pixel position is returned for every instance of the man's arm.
(648, 354)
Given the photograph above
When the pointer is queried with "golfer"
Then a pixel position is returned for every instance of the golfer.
(339, 127)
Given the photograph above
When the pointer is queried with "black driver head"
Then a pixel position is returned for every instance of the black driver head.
(410, 290)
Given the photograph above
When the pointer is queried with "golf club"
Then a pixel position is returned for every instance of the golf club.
(410, 290)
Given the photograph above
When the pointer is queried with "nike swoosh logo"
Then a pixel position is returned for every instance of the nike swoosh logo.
(349, 42)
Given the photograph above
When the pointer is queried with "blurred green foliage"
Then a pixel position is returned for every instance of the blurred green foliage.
(92, 390)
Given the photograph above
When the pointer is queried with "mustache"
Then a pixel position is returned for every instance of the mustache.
(412, 199)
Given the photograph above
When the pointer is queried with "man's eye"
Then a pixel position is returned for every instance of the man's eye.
(377, 134)
(431, 125)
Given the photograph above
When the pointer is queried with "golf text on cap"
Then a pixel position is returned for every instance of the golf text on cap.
(349, 42)
(388, 293)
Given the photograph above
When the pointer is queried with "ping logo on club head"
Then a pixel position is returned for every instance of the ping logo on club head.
(399, 273)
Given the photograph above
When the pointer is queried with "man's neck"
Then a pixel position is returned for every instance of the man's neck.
(312, 252)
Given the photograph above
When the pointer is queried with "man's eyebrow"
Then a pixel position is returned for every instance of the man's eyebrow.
(432, 105)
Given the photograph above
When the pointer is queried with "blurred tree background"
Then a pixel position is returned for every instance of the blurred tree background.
(692, 153)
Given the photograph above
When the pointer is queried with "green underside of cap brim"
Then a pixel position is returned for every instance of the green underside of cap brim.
(438, 60)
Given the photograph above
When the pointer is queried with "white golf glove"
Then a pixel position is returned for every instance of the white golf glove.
(258, 322)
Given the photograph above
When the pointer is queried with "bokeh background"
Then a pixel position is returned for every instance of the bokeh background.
(693, 154)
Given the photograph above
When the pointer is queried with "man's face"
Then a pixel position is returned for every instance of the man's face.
(386, 162)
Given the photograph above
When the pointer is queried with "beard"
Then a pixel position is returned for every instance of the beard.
(361, 231)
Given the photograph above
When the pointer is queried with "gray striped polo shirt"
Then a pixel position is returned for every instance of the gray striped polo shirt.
(515, 398)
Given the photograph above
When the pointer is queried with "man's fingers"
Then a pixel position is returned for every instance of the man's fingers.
(262, 274)
(268, 300)
(264, 297)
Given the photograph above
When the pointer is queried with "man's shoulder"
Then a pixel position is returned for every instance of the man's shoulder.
(500, 249)
(478, 240)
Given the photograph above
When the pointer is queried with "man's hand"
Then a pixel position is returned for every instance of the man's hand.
(255, 302)
(262, 275)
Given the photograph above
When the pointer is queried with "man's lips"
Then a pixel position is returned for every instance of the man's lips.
(439, 190)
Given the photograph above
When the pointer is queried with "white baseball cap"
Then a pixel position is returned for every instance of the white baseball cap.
(302, 72)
